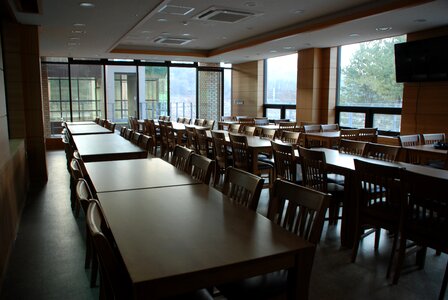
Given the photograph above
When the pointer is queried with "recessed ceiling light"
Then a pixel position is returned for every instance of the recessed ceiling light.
(307, 44)
(299, 11)
(287, 48)
(162, 20)
(79, 31)
(250, 4)
(79, 25)
(273, 51)
(87, 4)
(224, 38)
(145, 31)
(385, 28)
(354, 35)
(186, 34)
(74, 38)
(72, 44)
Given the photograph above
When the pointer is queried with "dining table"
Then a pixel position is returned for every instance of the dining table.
(102, 147)
(426, 153)
(83, 129)
(177, 239)
(146, 173)
(81, 123)
(343, 164)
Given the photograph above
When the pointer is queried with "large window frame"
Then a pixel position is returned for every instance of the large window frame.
(368, 111)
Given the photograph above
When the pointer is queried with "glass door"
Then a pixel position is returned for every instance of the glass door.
(153, 91)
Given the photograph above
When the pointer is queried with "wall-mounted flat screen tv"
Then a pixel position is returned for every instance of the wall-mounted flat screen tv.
(423, 60)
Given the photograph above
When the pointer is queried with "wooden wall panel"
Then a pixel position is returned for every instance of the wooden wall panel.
(425, 104)
(247, 86)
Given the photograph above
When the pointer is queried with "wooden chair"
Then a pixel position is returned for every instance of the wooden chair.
(368, 135)
(181, 158)
(277, 121)
(146, 143)
(97, 120)
(249, 130)
(168, 139)
(261, 121)
(187, 121)
(191, 139)
(111, 126)
(180, 120)
(222, 156)
(201, 168)
(285, 163)
(122, 131)
(297, 209)
(291, 137)
(75, 174)
(202, 145)
(381, 152)
(431, 138)
(329, 127)
(424, 218)
(209, 123)
(128, 134)
(235, 128)
(242, 188)
(377, 203)
(240, 152)
(351, 147)
(199, 122)
(408, 141)
(136, 137)
(152, 132)
(311, 128)
(246, 121)
(349, 134)
(84, 195)
(285, 126)
(315, 176)
(268, 134)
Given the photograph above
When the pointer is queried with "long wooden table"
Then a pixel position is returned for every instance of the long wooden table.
(87, 129)
(327, 139)
(101, 147)
(118, 175)
(81, 123)
(343, 164)
(426, 153)
(178, 239)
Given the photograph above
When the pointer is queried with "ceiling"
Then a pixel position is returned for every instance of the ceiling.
(184, 30)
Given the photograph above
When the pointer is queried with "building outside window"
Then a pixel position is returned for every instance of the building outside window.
(368, 93)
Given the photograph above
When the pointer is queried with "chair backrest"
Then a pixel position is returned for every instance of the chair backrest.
(128, 134)
(261, 121)
(287, 125)
(169, 133)
(277, 121)
(83, 194)
(329, 127)
(114, 279)
(425, 213)
(349, 134)
(201, 168)
(376, 185)
(220, 149)
(246, 121)
(235, 128)
(368, 135)
(314, 169)
(202, 146)
(249, 130)
(242, 188)
(146, 143)
(311, 128)
(123, 131)
(299, 209)
(181, 157)
(268, 134)
(227, 118)
(210, 124)
(431, 138)
(240, 152)
(97, 120)
(191, 139)
(284, 161)
(291, 137)
(180, 120)
(199, 122)
(111, 126)
(76, 170)
(381, 152)
(187, 120)
(166, 118)
(352, 147)
(136, 138)
(409, 140)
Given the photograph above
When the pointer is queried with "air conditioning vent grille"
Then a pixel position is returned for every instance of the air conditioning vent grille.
(224, 15)
(171, 41)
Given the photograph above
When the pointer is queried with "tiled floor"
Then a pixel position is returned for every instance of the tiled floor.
(48, 258)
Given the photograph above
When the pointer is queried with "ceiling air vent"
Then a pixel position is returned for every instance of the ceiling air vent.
(171, 41)
(223, 15)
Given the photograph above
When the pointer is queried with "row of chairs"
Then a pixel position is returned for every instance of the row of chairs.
(105, 123)
(421, 139)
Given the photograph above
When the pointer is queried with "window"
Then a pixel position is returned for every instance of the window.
(182, 92)
(227, 109)
(154, 102)
(281, 87)
(368, 93)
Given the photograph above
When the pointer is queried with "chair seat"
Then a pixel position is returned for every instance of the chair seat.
(266, 159)
(259, 287)
(264, 165)
(336, 178)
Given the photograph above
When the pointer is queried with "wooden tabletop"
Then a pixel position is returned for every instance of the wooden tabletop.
(81, 123)
(252, 141)
(101, 147)
(178, 239)
(135, 174)
(87, 129)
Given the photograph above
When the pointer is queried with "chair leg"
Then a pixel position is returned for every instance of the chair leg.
(356, 244)
(377, 238)
(392, 255)
(444, 284)
(401, 255)
(421, 258)
(88, 250)
(94, 270)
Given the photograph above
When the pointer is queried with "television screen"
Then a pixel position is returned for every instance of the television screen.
(423, 60)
